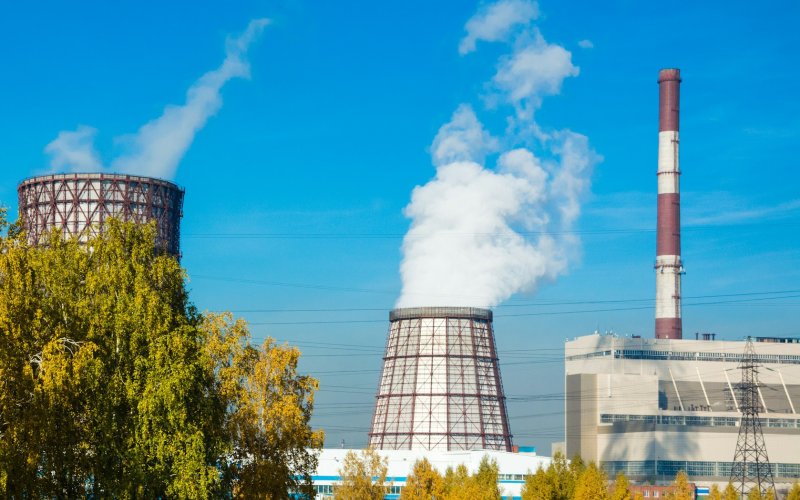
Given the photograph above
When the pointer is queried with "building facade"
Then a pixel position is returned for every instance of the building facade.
(653, 407)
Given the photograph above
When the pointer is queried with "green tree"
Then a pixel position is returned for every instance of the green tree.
(363, 477)
(108, 385)
(424, 482)
(681, 488)
(794, 492)
(621, 488)
(592, 484)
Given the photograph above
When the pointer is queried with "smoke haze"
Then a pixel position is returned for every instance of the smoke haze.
(158, 146)
(480, 234)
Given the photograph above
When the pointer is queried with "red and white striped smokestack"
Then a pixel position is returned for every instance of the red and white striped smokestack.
(668, 239)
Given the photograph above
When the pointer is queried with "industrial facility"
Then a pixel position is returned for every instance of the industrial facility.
(653, 407)
(79, 205)
(440, 387)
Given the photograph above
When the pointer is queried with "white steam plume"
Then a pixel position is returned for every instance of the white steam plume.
(74, 149)
(478, 235)
(158, 146)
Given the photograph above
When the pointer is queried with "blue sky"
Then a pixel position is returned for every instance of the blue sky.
(295, 189)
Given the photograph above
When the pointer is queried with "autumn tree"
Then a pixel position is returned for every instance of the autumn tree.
(714, 493)
(424, 482)
(460, 485)
(592, 484)
(681, 489)
(557, 481)
(269, 407)
(755, 494)
(108, 385)
(730, 493)
(621, 488)
(486, 479)
(794, 492)
(363, 476)
(538, 486)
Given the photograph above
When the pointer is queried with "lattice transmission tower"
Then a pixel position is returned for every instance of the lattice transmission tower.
(751, 467)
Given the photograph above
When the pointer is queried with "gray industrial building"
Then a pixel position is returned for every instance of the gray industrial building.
(653, 407)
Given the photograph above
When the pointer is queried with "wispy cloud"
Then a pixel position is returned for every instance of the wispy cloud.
(586, 44)
(637, 209)
(159, 145)
(728, 213)
(495, 22)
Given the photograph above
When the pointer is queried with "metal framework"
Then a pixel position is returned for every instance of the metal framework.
(440, 387)
(751, 467)
(79, 204)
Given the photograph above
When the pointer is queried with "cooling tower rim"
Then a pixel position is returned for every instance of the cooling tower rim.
(97, 176)
(440, 312)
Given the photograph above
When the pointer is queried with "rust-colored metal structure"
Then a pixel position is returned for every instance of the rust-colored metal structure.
(79, 204)
(440, 387)
(669, 266)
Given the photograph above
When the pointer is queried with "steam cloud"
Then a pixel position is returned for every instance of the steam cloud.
(158, 146)
(479, 234)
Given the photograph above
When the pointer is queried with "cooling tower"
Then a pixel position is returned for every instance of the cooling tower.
(440, 388)
(79, 204)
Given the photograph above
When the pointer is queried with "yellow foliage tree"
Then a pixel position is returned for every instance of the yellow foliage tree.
(714, 493)
(363, 476)
(557, 482)
(730, 493)
(621, 488)
(755, 494)
(794, 492)
(424, 483)
(269, 408)
(460, 485)
(537, 486)
(592, 485)
(681, 489)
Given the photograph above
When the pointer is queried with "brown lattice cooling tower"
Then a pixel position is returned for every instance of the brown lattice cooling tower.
(440, 388)
(79, 204)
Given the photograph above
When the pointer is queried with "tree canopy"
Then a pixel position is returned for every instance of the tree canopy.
(112, 384)
(558, 481)
(424, 482)
(363, 476)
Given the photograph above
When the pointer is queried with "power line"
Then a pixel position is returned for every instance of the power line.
(395, 236)
(539, 313)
